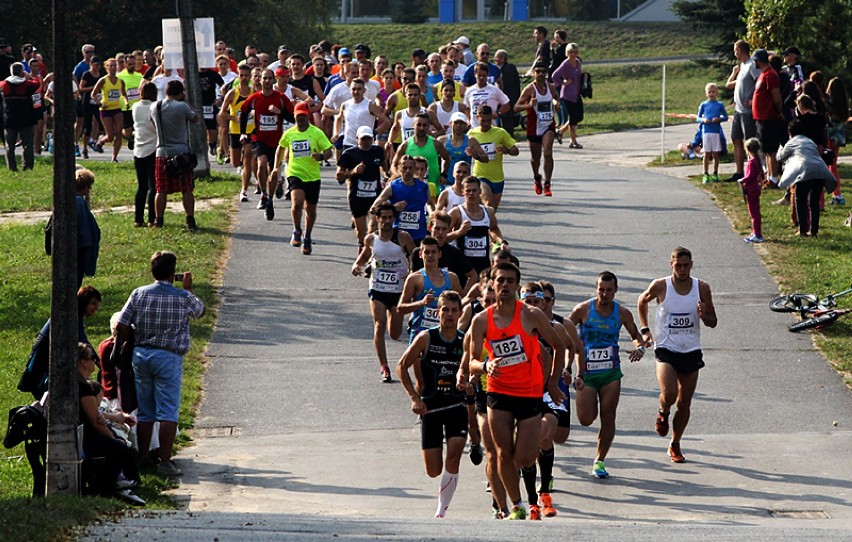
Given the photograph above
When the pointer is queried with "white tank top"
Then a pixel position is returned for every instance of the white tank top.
(453, 199)
(544, 110)
(357, 115)
(407, 124)
(677, 327)
(389, 266)
(285, 124)
(444, 116)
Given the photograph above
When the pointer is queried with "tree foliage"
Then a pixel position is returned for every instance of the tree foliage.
(821, 29)
(720, 19)
(121, 26)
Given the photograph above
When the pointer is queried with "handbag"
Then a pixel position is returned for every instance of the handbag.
(182, 163)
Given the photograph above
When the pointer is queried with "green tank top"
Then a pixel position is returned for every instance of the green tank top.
(430, 154)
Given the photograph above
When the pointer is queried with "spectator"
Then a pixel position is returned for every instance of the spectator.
(557, 57)
(511, 88)
(711, 113)
(18, 116)
(567, 77)
(170, 117)
(144, 155)
(6, 58)
(742, 81)
(159, 315)
(467, 55)
(766, 108)
(542, 51)
(805, 168)
(88, 232)
(838, 116)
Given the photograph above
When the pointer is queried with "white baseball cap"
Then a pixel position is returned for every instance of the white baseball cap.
(364, 131)
(462, 40)
(458, 115)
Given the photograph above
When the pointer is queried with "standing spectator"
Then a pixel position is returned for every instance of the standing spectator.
(711, 113)
(463, 43)
(766, 109)
(792, 67)
(511, 88)
(170, 117)
(557, 57)
(144, 154)
(18, 117)
(88, 232)
(750, 183)
(542, 51)
(742, 80)
(567, 77)
(159, 315)
(838, 114)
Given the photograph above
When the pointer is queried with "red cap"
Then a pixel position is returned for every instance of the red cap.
(302, 109)
(281, 71)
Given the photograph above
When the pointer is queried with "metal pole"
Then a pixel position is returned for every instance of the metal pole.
(63, 460)
(197, 131)
(663, 120)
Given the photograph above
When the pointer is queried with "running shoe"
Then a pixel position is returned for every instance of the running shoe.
(715, 177)
(517, 512)
(496, 513)
(306, 246)
(537, 185)
(77, 151)
(270, 210)
(279, 191)
(91, 144)
(753, 239)
(476, 454)
(326, 163)
(296, 239)
(220, 159)
(661, 425)
(257, 189)
(85, 153)
(599, 471)
(385, 374)
(535, 513)
(546, 504)
(261, 205)
(675, 454)
(243, 196)
(705, 179)
(99, 147)
(547, 191)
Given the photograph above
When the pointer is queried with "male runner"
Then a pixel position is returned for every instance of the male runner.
(495, 142)
(270, 109)
(387, 252)
(404, 117)
(474, 226)
(598, 382)
(421, 290)
(448, 199)
(361, 166)
(356, 112)
(132, 83)
(304, 146)
(510, 333)
(422, 144)
(209, 82)
(681, 302)
(451, 258)
(409, 195)
(540, 99)
(435, 355)
(484, 93)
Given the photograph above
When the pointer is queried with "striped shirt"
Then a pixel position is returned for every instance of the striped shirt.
(159, 314)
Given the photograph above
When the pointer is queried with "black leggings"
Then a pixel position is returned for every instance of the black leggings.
(145, 187)
(117, 458)
(807, 200)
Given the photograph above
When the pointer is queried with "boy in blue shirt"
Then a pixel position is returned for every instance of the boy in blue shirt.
(711, 113)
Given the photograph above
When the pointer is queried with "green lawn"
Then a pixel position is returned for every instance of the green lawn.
(597, 40)
(122, 266)
(820, 266)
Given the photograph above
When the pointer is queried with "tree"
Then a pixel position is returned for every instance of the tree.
(820, 29)
(720, 19)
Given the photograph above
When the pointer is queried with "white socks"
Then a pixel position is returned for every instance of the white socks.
(445, 492)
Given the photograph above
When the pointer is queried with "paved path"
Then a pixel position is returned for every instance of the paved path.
(297, 439)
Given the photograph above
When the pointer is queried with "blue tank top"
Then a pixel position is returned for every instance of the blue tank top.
(426, 317)
(600, 339)
(457, 155)
(413, 218)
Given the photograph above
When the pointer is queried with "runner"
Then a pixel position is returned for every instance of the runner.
(403, 117)
(435, 355)
(241, 155)
(451, 258)
(488, 166)
(446, 108)
(681, 302)
(132, 83)
(304, 147)
(437, 157)
(598, 382)
(409, 196)
(448, 199)
(509, 331)
(361, 166)
(334, 98)
(387, 252)
(474, 226)
(458, 143)
(421, 290)
(484, 93)
(108, 94)
(539, 99)
(295, 95)
(210, 82)
(356, 112)
(270, 108)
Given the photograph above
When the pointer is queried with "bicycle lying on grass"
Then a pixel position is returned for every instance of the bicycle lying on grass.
(816, 313)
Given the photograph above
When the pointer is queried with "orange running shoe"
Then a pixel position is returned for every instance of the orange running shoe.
(675, 454)
(535, 513)
(546, 504)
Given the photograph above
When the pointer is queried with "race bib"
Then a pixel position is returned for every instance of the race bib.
(268, 123)
(301, 148)
(600, 359)
(386, 281)
(37, 100)
(114, 95)
(476, 247)
(409, 220)
(430, 317)
(681, 323)
(549, 402)
(407, 133)
(133, 94)
(490, 149)
(366, 189)
(207, 109)
(545, 112)
(511, 349)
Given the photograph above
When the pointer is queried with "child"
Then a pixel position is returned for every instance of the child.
(711, 113)
(751, 189)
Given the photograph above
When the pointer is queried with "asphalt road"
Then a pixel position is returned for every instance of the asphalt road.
(297, 439)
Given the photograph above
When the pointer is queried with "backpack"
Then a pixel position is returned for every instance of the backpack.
(586, 85)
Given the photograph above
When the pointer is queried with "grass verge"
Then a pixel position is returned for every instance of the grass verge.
(820, 266)
(123, 265)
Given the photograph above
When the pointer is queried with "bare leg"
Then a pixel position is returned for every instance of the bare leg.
(168, 432)
(609, 396)
(380, 325)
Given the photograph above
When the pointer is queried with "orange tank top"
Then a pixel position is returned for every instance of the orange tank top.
(520, 368)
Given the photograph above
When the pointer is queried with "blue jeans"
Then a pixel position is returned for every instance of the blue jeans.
(159, 375)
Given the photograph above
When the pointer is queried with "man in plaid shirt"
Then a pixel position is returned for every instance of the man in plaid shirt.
(158, 315)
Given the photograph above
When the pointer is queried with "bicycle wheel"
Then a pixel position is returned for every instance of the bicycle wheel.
(816, 322)
(793, 303)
